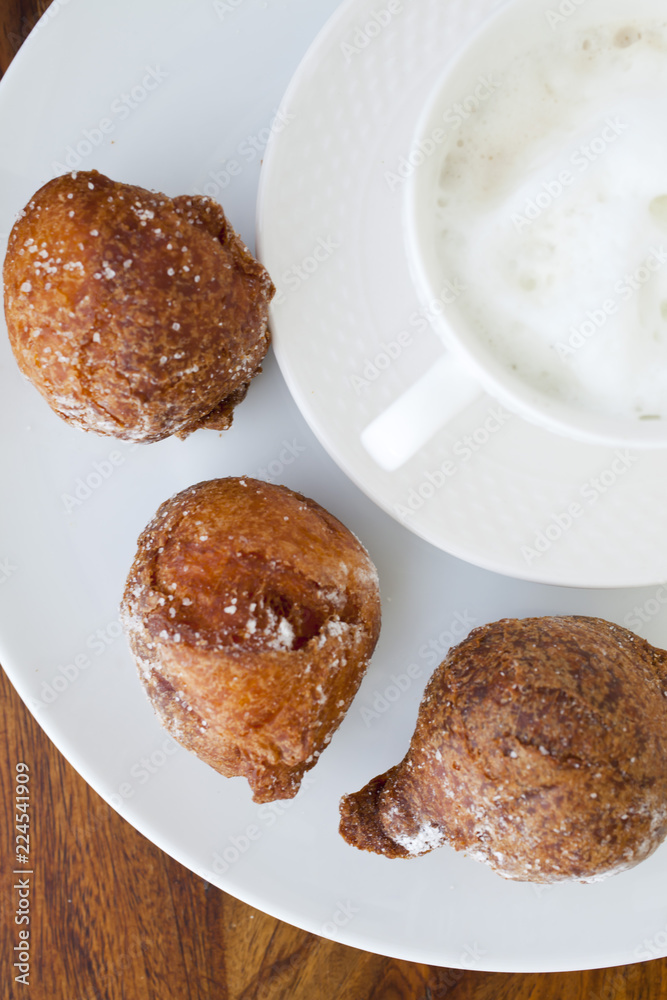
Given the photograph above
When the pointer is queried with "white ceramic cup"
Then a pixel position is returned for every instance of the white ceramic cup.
(471, 366)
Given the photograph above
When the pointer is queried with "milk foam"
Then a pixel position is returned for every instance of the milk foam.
(552, 211)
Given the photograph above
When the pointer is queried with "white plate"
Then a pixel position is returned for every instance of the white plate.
(63, 564)
(351, 338)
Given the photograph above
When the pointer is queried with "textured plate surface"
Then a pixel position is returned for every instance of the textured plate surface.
(351, 337)
(72, 506)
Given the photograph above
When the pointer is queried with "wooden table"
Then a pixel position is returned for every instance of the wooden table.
(112, 918)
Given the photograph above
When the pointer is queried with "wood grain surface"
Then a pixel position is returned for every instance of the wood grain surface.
(113, 918)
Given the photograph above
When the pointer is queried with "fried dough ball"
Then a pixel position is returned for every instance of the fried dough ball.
(252, 614)
(135, 315)
(540, 749)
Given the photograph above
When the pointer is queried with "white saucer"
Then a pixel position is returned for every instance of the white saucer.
(487, 487)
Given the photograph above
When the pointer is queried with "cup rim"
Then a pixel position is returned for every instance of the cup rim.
(521, 398)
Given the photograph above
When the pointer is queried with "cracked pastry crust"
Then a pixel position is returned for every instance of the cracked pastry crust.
(135, 315)
(252, 614)
(540, 749)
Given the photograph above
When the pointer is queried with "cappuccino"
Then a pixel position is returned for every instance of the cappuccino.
(551, 211)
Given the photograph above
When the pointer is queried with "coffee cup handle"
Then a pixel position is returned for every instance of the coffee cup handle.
(397, 434)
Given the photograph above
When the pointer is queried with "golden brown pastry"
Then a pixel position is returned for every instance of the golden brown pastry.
(540, 749)
(134, 314)
(252, 613)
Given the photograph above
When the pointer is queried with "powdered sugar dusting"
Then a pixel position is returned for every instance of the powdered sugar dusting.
(426, 839)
